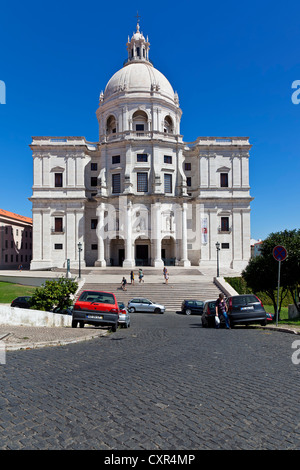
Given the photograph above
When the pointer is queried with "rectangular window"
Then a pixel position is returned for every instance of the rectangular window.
(224, 224)
(94, 166)
(94, 246)
(58, 246)
(139, 127)
(168, 183)
(94, 181)
(225, 246)
(58, 224)
(115, 159)
(116, 183)
(189, 181)
(187, 166)
(224, 180)
(94, 223)
(58, 180)
(167, 159)
(142, 157)
(142, 182)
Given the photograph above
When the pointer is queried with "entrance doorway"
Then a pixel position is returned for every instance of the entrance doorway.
(168, 251)
(121, 256)
(141, 255)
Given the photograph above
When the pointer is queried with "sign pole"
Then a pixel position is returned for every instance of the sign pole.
(278, 287)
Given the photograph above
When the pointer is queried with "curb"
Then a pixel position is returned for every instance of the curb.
(58, 342)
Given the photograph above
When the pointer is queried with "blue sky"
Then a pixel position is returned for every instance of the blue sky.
(232, 63)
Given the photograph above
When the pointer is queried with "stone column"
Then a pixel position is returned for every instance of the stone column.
(184, 258)
(156, 231)
(128, 261)
(100, 234)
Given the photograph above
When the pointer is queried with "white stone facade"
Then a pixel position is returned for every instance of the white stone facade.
(140, 195)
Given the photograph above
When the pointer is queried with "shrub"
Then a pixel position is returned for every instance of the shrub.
(54, 293)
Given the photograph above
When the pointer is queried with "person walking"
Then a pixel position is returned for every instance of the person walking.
(167, 277)
(221, 310)
(141, 275)
(123, 283)
(132, 278)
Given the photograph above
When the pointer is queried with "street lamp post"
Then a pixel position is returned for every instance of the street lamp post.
(218, 249)
(79, 251)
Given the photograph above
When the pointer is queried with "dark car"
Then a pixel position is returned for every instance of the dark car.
(192, 307)
(64, 311)
(209, 313)
(21, 302)
(246, 309)
(96, 308)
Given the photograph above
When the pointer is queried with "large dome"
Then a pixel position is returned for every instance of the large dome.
(139, 77)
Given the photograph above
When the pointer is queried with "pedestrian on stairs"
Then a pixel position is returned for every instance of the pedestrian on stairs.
(141, 275)
(132, 277)
(124, 283)
(167, 277)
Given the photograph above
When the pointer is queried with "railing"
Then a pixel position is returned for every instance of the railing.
(169, 261)
(142, 262)
(131, 134)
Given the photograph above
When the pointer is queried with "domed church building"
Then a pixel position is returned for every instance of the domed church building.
(140, 196)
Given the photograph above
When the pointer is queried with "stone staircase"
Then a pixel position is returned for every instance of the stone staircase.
(170, 295)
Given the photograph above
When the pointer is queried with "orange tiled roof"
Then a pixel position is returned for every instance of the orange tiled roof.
(21, 218)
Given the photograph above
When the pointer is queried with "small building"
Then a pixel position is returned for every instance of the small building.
(15, 240)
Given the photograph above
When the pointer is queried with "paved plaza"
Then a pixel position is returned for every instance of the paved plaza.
(165, 383)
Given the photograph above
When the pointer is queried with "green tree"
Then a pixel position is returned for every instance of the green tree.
(54, 293)
(261, 274)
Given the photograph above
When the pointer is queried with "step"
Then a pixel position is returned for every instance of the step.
(169, 295)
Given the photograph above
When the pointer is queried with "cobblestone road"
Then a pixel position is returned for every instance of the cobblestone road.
(163, 384)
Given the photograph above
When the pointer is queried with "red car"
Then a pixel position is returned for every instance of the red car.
(96, 308)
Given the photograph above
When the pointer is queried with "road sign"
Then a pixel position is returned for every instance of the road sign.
(279, 253)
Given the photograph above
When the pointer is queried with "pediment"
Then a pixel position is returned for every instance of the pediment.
(57, 169)
(223, 169)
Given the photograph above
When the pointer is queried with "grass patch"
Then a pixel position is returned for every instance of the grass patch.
(284, 316)
(9, 291)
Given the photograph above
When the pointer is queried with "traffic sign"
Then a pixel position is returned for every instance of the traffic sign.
(279, 253)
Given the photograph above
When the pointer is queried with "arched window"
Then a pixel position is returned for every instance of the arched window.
(168, 125)
(140, 121)
(111, 127)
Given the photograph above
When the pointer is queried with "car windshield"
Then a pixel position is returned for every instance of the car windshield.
(102, 297)
(243, 300)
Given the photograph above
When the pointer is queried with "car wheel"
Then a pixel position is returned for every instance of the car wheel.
(263, 323)
(157, 310)
(81, 324)
(74, 324)
(188, 311)
(132, 310)
(114, 328)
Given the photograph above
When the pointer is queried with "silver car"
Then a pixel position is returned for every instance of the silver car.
(124, 316)
(144, 305)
